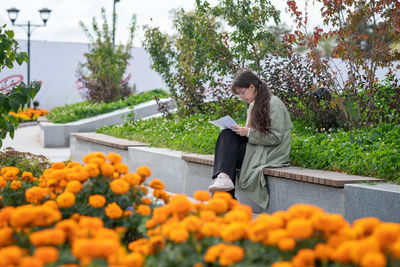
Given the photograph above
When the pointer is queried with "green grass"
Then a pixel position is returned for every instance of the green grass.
(86, 109)
(368, 151)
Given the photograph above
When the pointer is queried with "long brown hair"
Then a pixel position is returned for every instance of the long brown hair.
(259, 117)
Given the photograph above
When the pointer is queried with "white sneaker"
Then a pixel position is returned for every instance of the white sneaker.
(221, 183)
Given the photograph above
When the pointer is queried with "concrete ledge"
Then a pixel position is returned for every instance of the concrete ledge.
(187, 173)
(107, 140)
(379, 200)
(329, 178)
(58, 135)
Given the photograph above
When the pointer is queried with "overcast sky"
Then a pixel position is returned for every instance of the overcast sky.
(63, 24)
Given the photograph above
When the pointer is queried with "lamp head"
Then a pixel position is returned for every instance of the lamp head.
(45, 14)
(13, 14)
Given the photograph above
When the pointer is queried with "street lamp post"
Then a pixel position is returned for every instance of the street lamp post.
(114, 17)
(44, 14)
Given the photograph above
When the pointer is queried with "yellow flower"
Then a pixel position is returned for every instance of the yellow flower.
(107, 169)
(119, 186)
(66, 200)
(202, 195)
(178, 235)
(97, 201)
(144, 210)
(143, 171)
(300, 228)
(373, 259)
(114, 157)
(157, 184)
(46, 254)
(74, 187)
(16, 184)
(113, 211)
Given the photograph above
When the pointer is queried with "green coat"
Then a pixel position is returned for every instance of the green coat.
(270, 150)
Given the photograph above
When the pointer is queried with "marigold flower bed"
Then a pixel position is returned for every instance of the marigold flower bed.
(100, 214)
(29, 114)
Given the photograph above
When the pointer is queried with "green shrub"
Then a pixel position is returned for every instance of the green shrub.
(365, 151)
(86, 109)
(24, 161)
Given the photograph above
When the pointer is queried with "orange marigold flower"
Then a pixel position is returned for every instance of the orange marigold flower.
(303, 211)
(157, 184)
(234, 231)
(365, 226)
(11, 255)
(143, 171)
(9, 173)
(92, 169)
(178, 235)
(47, 237)
(114, 157)
(300, 228)
(107, 169)
(132, 178)
(202, 195)
(282, 264)
(127, 213)
(66, 200)
(6, 236)
(93, 223)
(16, 184)
(373, 259)
(218, 205)
(97, 201)
(3, 182)
(211, 229)
(121, 168)
(74, 187)
(88, 157)
(113, 211)
(46, 254)
(328, 223)
(29, 261)
(26, 176)
(207, 215)
(213, 252)
(237, 215)
(396, 249)
(286, 244)
(231, 254)
(343, 253)
(119, 186)
(180, 204)
(35, 194)
(144, 210)
(146, 200)
(387, 233)
(323, 251)
(51, 204)
(192, 223)
(304, 257)
(58, 165)
(133, 259)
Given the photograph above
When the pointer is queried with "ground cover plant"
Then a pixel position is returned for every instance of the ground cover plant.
(84, 215)
(369, 151)
(88, 109)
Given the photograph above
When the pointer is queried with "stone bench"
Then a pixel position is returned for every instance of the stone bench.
(350, 195)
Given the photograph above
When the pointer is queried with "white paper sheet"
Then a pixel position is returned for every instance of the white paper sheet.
(225, 122)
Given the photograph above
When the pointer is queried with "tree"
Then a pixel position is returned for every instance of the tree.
(19, 95)
(102, 73)
(362, 61)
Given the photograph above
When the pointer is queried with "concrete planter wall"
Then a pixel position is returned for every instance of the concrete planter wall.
(353, 201)
(58, 135)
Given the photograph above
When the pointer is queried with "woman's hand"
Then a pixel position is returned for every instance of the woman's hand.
(242, 131)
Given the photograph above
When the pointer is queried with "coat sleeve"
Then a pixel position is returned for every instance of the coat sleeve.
(275, 137)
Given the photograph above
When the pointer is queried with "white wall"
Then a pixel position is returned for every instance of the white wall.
(55, 64)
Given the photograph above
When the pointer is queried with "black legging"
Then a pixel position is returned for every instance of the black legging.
(229, 153)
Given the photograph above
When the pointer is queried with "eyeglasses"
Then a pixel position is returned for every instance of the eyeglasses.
(242, 92)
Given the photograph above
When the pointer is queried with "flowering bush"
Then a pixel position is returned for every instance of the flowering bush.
(29, 114)
(86, 214)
